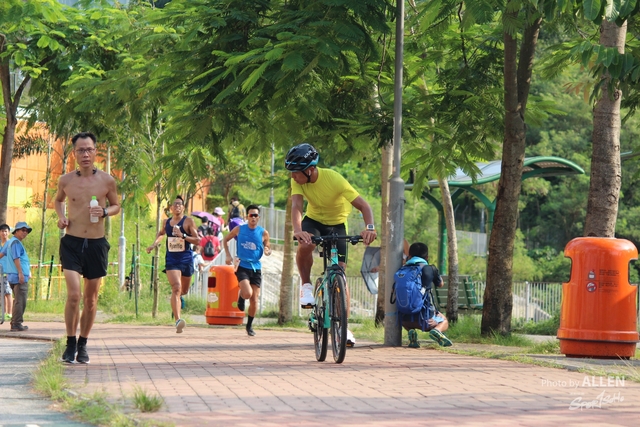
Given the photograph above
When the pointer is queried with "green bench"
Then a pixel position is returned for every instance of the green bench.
(467, 298)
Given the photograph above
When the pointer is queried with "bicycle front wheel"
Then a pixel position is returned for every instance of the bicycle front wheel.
(338, 315)
(320, 338)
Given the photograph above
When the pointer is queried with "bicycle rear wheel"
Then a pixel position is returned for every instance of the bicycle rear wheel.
(320, 333)
(338, 307)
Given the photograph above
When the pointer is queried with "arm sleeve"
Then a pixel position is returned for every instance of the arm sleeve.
(296, 188)
(430, 276)
(348, 192)
(436, 276)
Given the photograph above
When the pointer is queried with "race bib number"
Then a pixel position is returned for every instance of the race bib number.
(175, 244)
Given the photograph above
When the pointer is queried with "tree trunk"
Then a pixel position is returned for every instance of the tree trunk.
(387, 163)
(45, 201)
(452, 252)
(498, 299)
(43, 217)
(64, 159)
(107, 220)
(286, 279)
(11, 103)
(7, 140)
(606, 174)
(136, 259)
(154, 310)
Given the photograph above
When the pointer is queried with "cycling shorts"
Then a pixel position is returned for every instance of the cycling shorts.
(318, 229)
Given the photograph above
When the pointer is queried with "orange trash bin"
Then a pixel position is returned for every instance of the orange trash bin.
(598, 314)
(222, 297)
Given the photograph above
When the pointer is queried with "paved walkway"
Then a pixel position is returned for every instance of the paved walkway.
(220, 376)
(20, 406)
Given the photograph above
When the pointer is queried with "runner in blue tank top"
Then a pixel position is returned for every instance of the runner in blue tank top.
(253, 242)
(181, 232)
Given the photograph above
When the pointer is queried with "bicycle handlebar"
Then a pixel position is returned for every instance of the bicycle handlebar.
(320, 240)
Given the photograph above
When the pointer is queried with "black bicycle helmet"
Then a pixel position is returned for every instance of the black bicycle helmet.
(301, 157)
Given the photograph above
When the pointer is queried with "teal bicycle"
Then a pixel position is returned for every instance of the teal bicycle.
(330, 311)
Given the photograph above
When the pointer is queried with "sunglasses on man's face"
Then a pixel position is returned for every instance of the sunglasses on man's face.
(254, 215)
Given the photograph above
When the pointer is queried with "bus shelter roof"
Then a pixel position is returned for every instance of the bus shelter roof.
(539, 166)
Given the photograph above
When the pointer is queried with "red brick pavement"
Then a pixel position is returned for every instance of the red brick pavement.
(220, 376)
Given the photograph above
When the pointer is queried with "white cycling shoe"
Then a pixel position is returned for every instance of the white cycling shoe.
(351, 340)
(307, 299)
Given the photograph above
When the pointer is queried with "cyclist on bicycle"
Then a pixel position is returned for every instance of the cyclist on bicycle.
(329, 200)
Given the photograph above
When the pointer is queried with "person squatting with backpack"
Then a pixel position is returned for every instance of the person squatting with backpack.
(412, 293)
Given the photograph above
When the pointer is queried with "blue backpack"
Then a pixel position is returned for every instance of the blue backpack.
(408, 293)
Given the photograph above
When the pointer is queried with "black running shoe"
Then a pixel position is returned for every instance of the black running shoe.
(250, 332)
(69, 355)
(240, 303)
(82, 356)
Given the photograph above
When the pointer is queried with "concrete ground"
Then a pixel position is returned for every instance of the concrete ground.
(212, 375)
(19, 405)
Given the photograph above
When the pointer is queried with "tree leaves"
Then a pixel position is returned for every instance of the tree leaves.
(591, 9)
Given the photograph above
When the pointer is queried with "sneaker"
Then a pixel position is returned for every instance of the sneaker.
(413, 339)
(351, 340)
(181, 302)
(180, 324)
(7, 316)
(82, 356)
(250, 332)
(306, 296)
(69, 355)
(440, 338)
(19, 328)
(240, 303)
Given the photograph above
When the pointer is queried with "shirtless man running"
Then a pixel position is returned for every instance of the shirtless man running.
(84, 250)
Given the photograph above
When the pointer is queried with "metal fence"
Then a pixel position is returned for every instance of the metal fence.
(472, 242)
(532, 301)
(51, 283)
(273, 220)
(363, 303)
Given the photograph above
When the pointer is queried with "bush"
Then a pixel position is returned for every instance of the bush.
(546, 327)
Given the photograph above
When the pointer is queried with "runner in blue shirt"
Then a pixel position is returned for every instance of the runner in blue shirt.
(253, 242)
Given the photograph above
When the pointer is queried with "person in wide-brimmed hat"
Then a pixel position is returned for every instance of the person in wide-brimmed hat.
(18, 273)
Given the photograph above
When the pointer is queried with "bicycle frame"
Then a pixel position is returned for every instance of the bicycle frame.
(330, 312)
(331, 268)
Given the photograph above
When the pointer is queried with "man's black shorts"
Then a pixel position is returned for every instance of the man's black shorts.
(254, 277)
(318, 229)
(88, 257)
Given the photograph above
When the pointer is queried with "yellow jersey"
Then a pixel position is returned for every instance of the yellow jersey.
(329, 198)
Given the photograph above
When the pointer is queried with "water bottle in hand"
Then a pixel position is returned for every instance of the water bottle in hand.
(93, 203)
